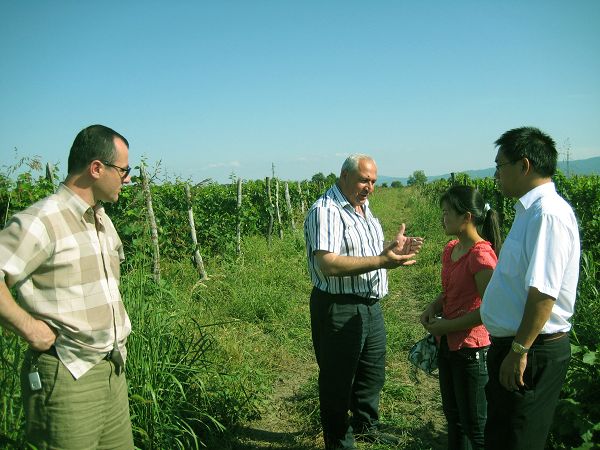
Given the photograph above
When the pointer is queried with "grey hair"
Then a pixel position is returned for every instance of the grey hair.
(351, 162)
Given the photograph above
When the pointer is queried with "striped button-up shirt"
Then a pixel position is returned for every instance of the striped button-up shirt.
(333, 225)
(63, 258)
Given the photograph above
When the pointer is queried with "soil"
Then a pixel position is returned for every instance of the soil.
(277, 428)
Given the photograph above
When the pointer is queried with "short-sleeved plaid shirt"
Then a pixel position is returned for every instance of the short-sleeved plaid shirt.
(63, 257)
(333, 225)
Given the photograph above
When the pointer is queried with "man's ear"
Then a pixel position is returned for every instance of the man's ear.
(526, 167)
(95, 169)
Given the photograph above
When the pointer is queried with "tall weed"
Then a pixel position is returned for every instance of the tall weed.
(11, 412)
(167, 367)
(577, 420)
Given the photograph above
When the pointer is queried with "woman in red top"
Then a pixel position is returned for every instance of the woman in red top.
(467, 266)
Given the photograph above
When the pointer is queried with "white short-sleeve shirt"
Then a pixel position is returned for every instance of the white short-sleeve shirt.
(542, 250)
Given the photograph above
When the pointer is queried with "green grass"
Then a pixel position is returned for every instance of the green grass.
(11, 412)
(205, 357)
(211, 361)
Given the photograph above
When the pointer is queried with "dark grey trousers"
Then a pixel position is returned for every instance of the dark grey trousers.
(350, 342)
(521, 420)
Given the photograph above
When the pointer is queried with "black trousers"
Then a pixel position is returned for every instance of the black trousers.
(521, 420)
(350, 342)
(463, 376)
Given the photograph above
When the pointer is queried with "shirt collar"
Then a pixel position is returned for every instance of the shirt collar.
(75, 203)
(536, 193)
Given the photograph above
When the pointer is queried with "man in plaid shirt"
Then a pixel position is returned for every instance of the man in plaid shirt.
(62, 256)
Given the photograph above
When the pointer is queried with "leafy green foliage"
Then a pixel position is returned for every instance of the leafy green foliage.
(577, 418)
(215, 214)
(418, 178)
(190, 377)
(184, 387)
(12, 351)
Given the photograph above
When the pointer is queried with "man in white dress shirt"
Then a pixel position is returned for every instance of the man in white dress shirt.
(531, 296)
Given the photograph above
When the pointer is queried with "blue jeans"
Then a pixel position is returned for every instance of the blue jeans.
(463, 376)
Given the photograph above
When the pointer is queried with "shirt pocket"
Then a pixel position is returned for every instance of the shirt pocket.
(350, 242)
(377, 234)
(510, 262)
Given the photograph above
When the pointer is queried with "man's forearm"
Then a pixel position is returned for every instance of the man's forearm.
(537, 312)
(12, 316)
(38, 334)
(333, 265)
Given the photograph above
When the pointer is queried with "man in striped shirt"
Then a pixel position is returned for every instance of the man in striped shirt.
(347, 261)
(62, 256)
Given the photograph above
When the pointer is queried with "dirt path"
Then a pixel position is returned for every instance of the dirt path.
(278, 428)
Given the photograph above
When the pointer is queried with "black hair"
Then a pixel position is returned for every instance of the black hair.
(91, 143)
(463, 199)
(530, 143)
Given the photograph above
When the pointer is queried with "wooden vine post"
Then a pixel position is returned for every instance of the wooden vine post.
(50, 174)
(239, 216)
(302, 204)
(288, 203)
(269, 208)
(277, 210)
(197, 257)
(153, 228)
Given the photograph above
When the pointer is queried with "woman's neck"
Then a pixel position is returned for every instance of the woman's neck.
(468, 237)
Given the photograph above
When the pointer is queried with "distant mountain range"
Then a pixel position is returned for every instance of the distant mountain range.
(578, 167)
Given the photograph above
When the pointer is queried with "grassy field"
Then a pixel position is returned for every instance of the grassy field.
(267, 294)
(228, 363)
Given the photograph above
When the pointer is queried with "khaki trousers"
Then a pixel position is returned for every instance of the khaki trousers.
(91, 412)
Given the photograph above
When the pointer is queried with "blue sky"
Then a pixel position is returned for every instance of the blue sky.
(231, 87)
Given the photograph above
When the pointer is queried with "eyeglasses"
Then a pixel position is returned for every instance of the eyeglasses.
(503, 164)
(123, 170)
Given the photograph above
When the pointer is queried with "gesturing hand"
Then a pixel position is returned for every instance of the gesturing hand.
(407, 245)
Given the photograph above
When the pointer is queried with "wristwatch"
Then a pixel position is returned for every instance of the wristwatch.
(518, 348)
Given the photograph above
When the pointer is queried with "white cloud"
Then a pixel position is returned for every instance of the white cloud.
(224, 164)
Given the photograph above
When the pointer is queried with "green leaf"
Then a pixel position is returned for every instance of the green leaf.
(590, 358)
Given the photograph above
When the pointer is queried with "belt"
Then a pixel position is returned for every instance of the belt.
(346, 299)
(52, 352)
(540, 338)
(551, 336)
